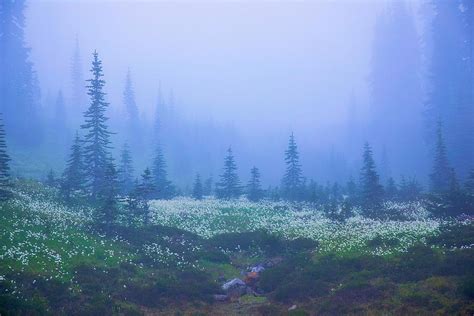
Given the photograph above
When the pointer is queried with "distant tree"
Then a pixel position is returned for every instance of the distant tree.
(410, 190)
(73, 179)
(59, 125)
(254, 187)
(51, 178)
(229, 185)
(78, 91)
(207, 188)
(441, 173)
(197, 188)
(371, 191)
(469, 186)
(143, 192)
(97, 137)
(164, 189)
(133, 120)
(4, 167)
(351, 190)
(391, 190)
(108, 209)
(125, 171)
(292, 180)
(19, 88)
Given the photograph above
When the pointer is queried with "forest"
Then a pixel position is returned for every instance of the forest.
(237, 158)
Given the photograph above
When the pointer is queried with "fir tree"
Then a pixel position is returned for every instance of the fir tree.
(391, 190)
(370, 189)
(125, 171)
(73, 177)
(4, 167)
(51, 178)
(469, 186)
(293, 180)
(19, 89)
(197, 188)
(133, 123)
(59, 125)
(164, 188)
(78, 91)
(351, 190)
(229, 185)
(207, 188)
(108, 209)
(254, 188)
(441, 172)
(97, 137)
(143, 193)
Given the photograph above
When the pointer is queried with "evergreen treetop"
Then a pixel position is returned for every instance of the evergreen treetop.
(293, 180)
(229, 185)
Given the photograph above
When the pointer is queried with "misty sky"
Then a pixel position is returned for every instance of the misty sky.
(267, 68)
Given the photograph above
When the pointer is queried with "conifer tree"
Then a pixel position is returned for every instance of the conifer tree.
(391, 190)
(351, 190)
(108, 209)
(125, 171)
(229, 185)
(4, 166)
(143, 193)
(133, 123)
(469, 186)
(78, 91)
(293, 180)
(97, 135)
(197, 188)
(207, 188)
(163, 187)
(371, 190)
(441, 172)
(74, 177)
(254, 187)
(51, 178)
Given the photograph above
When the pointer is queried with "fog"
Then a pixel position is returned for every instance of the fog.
(246, 75)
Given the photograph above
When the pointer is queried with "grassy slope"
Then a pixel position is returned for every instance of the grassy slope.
(53, 260)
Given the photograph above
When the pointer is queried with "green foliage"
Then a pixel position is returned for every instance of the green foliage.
(254, 187)
(197, 188)
(371, 192)
(164, 189)
(292, 182)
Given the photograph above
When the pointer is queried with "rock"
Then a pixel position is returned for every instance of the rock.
(258, 268)
(293, 307)
(232, 284)
(220, 297)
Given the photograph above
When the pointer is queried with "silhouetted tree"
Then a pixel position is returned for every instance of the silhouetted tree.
(293, 180)
(108, 209)
(51, 178)
(469, 186)
(4, 167)
(73, 179)
(441, 172)
(164, 189)
(229, 185)
(207, 188)
(125, 171)
(133, 121)
(19, 89)
(371, 192)
(97, 137)
(410, 190)
(391, 190)
(78, 91)
(254, 187)
(143, 193)
(197, 188)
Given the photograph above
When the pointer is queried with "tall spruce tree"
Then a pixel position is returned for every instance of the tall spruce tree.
(78, 91)
(292, 183)
(133, 121)
(371, 191)
(164, 189)
(207, 188)
(97, 135)
(19, 89)
(4, 166)
(197, 188)
(229, 185)
(254, 187)
(125, 171)
(73, 179)
(441, 172)
(469, 185)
